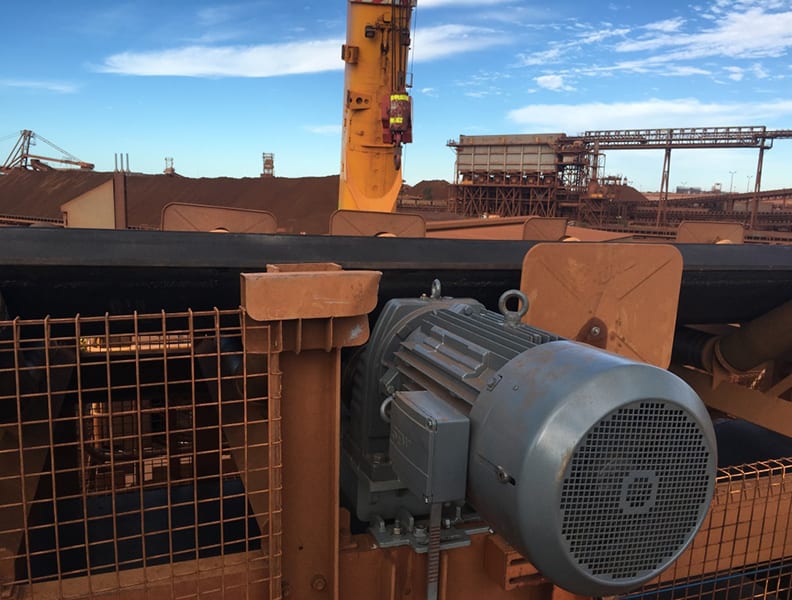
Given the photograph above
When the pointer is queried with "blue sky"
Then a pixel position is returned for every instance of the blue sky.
(216, 84)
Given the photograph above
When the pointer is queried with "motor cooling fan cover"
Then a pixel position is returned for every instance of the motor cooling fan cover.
(598, 469)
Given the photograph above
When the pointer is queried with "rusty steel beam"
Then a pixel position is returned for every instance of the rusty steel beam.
(319, 309)
(739, 401)
(684, 137)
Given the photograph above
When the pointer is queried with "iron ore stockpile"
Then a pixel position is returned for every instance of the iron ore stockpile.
(300, 204)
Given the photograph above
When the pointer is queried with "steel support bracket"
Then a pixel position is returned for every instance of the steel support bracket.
(507, 567)
(317, 310)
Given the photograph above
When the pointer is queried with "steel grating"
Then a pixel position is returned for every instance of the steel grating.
(140, 457)
(609, 517)
(744, 549)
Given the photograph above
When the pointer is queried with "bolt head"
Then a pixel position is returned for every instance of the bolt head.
(319, 583)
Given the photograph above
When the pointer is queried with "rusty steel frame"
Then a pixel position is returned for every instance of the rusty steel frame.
(319, 309)
(577, 164)
(710, 232)
(21, 158)
(370, 223)
(619, 297)
(181, 216)
(504, 199)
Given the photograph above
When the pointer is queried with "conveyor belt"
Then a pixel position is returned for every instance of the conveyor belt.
(62, 272)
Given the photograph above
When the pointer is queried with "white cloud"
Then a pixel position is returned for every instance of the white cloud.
(429, 91)
(483, 93)
(323, 129)
(667, 25)
(600, 35)
(750, 34)
(735, 73)
(682, 71)
(759, 71)
(540, 58)
(735, 30)
(682, 112)
(446, 40)
(266, 60)
(739, 73)
(437, 3)
(290, 58)
(47, 86)
(554, 83)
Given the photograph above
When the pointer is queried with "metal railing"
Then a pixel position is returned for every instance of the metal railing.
(744, 549)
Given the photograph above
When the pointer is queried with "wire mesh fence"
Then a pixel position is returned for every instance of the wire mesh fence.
(744, 548)
(140, 456)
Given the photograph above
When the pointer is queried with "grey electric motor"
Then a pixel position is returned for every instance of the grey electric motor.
(598, 469)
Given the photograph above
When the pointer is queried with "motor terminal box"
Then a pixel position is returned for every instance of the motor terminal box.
(429, 446)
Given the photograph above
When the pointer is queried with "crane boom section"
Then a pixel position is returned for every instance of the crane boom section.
(377, 108)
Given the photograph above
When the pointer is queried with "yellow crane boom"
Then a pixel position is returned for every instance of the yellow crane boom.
(377, 107)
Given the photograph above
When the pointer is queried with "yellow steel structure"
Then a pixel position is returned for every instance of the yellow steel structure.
(376, 104)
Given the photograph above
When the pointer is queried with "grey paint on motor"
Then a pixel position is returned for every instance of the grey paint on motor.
(549, 470)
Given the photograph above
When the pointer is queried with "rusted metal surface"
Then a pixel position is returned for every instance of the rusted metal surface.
(178, 216)
(368, 223)
(506, 228)
(400, 574)
(507, 567)
(544, 229)
(586, 234)
(309, 294)
(704, 232)
(140, 457)
(765, 338)
(120, 200)
(619, 297)
(318, 313)
(765, 409)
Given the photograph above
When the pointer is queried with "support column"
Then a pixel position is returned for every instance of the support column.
(320, 309)
(663, 200)
(757, 185)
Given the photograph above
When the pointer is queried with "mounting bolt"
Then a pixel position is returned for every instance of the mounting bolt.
(319, 583)
(503, 475)
(595, 331)
(467, 311)
(493, 381)
(430, 424)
